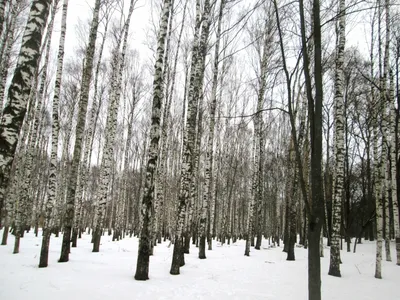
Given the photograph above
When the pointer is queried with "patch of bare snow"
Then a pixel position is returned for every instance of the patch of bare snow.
(225, 274)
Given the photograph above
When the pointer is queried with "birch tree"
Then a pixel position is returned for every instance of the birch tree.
(257, 136)
(2, 11)
(83, 103)
(52, 185)
(334, 267)
(197, 94)
(20, 89)
(91, 127)
(143, 260)
(393, 183)
(111, 127)
(165, 128)
(208, 193)
(187, 167)
(379, 149)
(34, 135)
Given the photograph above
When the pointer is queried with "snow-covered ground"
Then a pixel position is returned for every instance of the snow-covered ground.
(225, 274)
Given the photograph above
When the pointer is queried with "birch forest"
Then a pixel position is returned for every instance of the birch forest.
(270, 121)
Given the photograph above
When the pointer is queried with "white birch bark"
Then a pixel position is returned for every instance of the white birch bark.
(32, 146)
(258, 138)
(19, 91)
(208, 173)
(378, 169)
(385, 194)
(197, 98)
(142, 267)
(7, 44)
(386, 130)
(393, 162)
(111, 128)
(250, 205)
(2, 8)
(187, 168)
(83, 103)
(89, 138)
(334, 266)
(161, 169)
(160, 190)
(52, 185)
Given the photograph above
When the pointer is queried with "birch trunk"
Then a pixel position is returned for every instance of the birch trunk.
(208, 183)
(387, 211)
(258, 138)
(83, 103)
(33, 145)
(52, 188)
(7, 44)
(165, 127)
(19, 91)
(250, 205)
(161, 169)
(386, 131)
(142, 266)
(334, 266)
(187, 168)
(197, 96)
(89, 139)
(393, 183)
(377, 169)
(2, 8)
(111, 128)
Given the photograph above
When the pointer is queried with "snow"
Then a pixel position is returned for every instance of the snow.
(225, 274)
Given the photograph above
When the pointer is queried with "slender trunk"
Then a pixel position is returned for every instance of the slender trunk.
(2, 10)
(334, 266)
(292, 198)
(378, 157)
(7, 45)
(142, 267)
(19, 91)
(83, 103)
(111, 128)
(52, 188)
(187, 168)
(315, 113)
(393, 184)
(162, 168)
(198, 92)
(210, 143)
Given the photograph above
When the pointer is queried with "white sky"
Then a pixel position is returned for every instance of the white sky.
(358, 26)
(81, 10)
